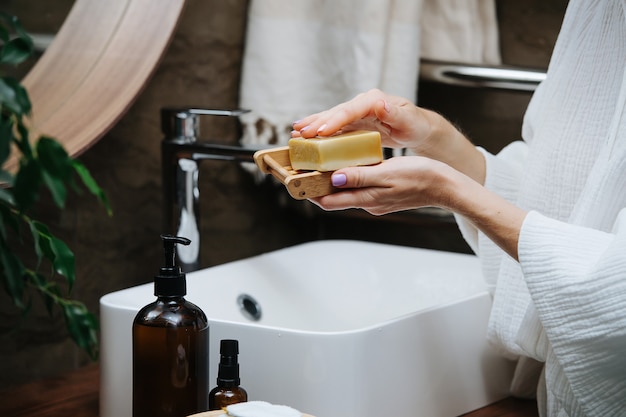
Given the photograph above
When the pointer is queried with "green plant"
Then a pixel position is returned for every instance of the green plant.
(42, 165)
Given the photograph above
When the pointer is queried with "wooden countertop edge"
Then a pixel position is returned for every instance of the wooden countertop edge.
(76, 394)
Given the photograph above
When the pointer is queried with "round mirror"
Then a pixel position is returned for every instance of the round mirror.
(92, 71)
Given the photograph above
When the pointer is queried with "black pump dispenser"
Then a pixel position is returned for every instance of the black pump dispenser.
(171, 282)
(170, 347)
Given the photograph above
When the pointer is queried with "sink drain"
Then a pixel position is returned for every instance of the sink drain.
(249, 307)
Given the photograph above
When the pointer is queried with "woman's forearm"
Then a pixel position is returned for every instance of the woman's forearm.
(496, 217)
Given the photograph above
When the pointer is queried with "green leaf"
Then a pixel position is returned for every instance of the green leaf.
(56, 168)
(9, 218)
(83, 327)
(14, 96)
(64, 261)
(19, 48)
(57, 189)
(55, 250)
(19, 29)
(21, 95)
(9, 19)
(8, 97)
(27, 183)
(6, 138)
(6, 178)
(7, 197)
(23, 143)
(4, 34)
(12, 275)
(49, 290)
(48, 299)
(16, 51)
(53, 158)
(91, 185)
(41, 239)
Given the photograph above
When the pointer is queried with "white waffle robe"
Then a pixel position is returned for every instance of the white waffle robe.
(564, 303)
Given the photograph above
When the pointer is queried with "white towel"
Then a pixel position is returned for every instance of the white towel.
(305, 56)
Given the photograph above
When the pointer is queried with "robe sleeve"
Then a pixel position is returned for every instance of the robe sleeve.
(576, 277)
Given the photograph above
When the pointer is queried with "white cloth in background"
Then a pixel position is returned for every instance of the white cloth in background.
(305, 56)
(460, 31)
(564, 303)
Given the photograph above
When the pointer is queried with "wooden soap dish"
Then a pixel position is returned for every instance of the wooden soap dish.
(300, 184)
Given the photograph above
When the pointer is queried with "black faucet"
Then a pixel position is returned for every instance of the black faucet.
(181, 153)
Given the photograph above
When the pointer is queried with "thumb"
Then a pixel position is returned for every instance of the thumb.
(352, 177)
(383, 111)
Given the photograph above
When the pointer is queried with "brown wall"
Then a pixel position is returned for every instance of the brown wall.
(240, 219)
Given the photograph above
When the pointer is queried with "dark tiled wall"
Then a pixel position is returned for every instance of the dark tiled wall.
(240, 218)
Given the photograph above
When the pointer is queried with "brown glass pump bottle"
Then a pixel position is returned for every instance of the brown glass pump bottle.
(170, 347)
(228, 390)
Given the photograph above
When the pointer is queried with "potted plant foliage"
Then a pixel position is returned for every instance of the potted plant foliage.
(43, 165)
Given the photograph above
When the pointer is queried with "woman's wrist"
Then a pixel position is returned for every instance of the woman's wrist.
(447, 144)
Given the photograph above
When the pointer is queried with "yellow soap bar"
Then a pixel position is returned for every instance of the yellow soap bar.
(360, 147)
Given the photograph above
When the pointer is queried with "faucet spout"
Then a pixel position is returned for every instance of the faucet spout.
(181, 154)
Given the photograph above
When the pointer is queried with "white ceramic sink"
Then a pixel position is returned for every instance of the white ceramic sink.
(347, 328)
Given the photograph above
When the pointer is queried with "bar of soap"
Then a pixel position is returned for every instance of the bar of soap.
(360, 147)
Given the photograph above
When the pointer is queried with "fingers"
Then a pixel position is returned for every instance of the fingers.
(329, 122)
(358, 185)
(394, 184)
(333, 202)
(356, 177)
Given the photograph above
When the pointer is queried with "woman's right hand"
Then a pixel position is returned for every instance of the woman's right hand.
(401, 124)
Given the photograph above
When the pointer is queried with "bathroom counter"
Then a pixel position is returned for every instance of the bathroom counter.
(75, 394)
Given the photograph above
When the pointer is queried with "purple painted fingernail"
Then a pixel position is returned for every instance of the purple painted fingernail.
(338, 180)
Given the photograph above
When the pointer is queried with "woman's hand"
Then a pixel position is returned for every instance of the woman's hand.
(410, 182)
(395, 184)
(402, 124)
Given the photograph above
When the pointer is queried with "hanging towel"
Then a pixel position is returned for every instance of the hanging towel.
(462, 31)
(305, 56)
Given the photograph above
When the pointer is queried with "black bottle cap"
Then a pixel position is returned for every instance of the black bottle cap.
(228, 373)
(171, 282)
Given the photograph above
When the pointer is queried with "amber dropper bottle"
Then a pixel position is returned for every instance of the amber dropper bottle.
(170, 347)
(228, 390)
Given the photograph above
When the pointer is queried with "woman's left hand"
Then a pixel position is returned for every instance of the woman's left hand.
(410, 182)
(395, 184)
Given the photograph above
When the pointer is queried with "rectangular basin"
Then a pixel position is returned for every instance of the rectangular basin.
(335, 328)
